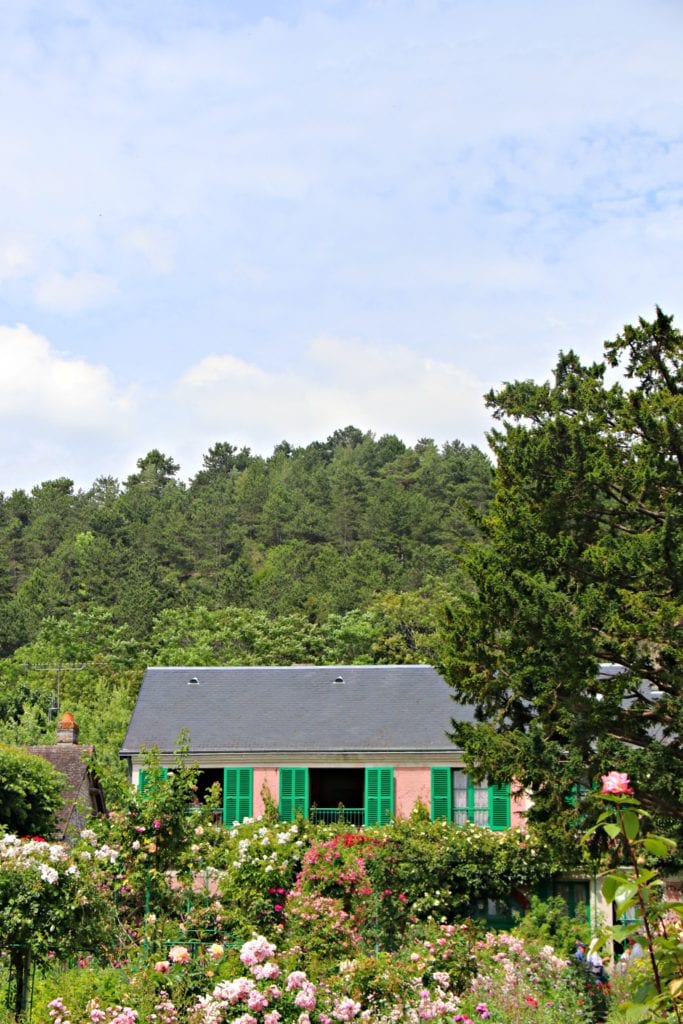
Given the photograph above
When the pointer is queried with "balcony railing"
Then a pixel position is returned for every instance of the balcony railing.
(333, 815)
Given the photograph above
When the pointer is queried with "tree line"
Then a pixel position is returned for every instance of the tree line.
(340, 551)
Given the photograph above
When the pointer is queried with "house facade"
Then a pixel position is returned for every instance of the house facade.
(82, 792)
(363, 744)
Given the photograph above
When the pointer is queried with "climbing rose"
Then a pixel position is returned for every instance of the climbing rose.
(618, 783)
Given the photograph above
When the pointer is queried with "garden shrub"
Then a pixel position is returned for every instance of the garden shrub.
(30, 792)
(548, 921)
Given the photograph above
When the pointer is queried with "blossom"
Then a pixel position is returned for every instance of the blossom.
(156, 823)
(305, 997)
(295, 980)
(256, 951)
(162, 967)
(618, 783)
(179, 955)
(257, 1000)
(345, 1009)
(234, 991)
(215, 951)
(268, 970)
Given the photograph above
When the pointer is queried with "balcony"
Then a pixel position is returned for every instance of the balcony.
(336, 815)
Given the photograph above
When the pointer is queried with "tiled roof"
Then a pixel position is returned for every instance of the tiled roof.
(295, 708)
(82, 794)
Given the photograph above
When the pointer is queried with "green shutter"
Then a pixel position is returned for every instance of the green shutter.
(145, 780)
(237, 794)
(499, 807)
(442, 794)
(293, 792)
(379, 796)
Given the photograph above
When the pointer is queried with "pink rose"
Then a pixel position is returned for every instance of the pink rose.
(162, 967)
(617, 783)
(179, 955)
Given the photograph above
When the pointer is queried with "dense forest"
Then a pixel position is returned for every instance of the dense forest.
(343, 550)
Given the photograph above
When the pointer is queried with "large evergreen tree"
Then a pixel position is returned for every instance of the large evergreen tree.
(582, 568)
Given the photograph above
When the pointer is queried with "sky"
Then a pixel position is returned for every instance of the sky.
(263, 220)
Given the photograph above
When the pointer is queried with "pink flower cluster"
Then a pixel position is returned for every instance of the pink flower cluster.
(113, 1014)
(346, 1009)
(236, 991)
(268, 971)
(295, 979)
(256, 951)
(305, 997)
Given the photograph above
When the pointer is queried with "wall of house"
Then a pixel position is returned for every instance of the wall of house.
(411, 785)
(264, 777)
(519, 804)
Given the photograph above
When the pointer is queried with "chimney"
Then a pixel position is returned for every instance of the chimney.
(67, 730)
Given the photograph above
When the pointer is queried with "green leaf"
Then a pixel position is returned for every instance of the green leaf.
(620, 932)
(656, 846)
(631, 824)
(624, 903)
(611, 884)
(632, 1013)
(612, 830)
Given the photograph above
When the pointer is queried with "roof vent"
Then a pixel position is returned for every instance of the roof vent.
(338, 680)
(193, 681)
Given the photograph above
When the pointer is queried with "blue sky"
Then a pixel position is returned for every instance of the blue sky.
(251, 221)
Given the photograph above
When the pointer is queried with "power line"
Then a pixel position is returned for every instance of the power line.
(59, 668)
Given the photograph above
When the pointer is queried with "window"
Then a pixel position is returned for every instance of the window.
(293, 793)
(374, 789)
(458, 799)
(238, 784)
(379, 796)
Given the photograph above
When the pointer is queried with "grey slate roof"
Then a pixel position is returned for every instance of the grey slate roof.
(296, 708)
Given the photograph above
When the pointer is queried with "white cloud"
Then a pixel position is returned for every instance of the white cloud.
(41, 386)
(71, 294)
(386, 390)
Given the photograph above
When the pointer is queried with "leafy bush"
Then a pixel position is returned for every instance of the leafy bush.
(549, 921)
(30, 792)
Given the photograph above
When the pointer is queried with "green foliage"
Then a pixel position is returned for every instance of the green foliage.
(548, 921)
(318, 530)
(580, 566)
(30, 792)
(636, 889)
(259, 861)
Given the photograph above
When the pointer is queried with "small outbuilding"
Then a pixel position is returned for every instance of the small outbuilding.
(82, 793)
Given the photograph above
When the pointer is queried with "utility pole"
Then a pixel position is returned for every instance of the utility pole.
(59, 668)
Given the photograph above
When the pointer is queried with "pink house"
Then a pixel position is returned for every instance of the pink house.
(358, 743)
